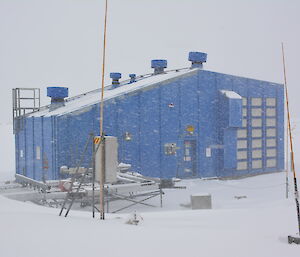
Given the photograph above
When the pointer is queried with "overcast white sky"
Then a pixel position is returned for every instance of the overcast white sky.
(59, 43)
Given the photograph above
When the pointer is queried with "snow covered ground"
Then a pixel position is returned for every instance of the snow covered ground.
(257, 225)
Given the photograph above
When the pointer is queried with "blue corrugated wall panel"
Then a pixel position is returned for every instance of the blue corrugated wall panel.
(235, 113)
(169, 126)
(63, 139)
(21, 152)
(110, 118)
(223, 82)
(189, 116)
(208, 123)
(54, 125)
(29, 156)
(230, 144)
(17, 154)
(150, 153)
(37, 142)
(128, 117)
(48, 144)
(73, 133)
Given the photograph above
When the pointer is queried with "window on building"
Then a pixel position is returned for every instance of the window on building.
(242, 165)
(256, 122)
(244, 112)
(271, 112)
(256, 132)
(256, 164)
(271, 152)
(256, 101)
(271, 142)
(256, 143)
(271, 163)
(241, 155)
(256, 112)
(244, 122)
(271, 122)
(242, 133)
(244, 101)
(270, 101)
(271, 132)
(256, 153)
(241, 144)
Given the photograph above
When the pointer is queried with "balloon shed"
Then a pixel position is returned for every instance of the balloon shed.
(186, 123)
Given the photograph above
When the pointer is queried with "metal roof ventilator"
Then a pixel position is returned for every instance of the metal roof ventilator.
(159, 66)
(58, 95)
(197, 59)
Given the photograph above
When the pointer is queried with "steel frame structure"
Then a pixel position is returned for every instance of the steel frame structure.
(23, 104)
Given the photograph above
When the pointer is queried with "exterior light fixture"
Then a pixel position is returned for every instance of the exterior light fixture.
(127, 136)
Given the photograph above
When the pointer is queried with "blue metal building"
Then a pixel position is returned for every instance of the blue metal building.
(182, 123)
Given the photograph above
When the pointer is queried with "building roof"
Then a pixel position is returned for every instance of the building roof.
(93, 97)
(88, 99)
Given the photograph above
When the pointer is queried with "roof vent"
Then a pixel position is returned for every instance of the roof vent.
(159, 66)
(132, 78)
(115, 76)
(197, 59)
(57, 95)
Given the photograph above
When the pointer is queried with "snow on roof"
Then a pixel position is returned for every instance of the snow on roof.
(231, 94)
(85, 100)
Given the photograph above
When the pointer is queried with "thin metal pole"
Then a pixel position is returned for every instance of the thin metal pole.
(161, 199)
(93, 176)
(101, 114)
(287, 156)
(291, 140)
(14, 107)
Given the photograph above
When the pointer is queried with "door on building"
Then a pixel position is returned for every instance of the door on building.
(188, 163)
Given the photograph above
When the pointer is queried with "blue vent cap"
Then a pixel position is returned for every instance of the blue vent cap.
(115, 75)
(159, 64)
(57, 92)
(197, 57)
(132, 77)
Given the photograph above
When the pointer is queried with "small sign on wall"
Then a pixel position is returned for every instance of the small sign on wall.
(208, 152)
(190, 129)
(38, 152)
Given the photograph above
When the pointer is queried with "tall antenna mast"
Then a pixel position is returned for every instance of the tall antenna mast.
(287, 156)
(101, 117)
(291, 140)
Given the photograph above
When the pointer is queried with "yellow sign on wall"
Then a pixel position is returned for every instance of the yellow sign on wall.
(96, 140)
(190, 129)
